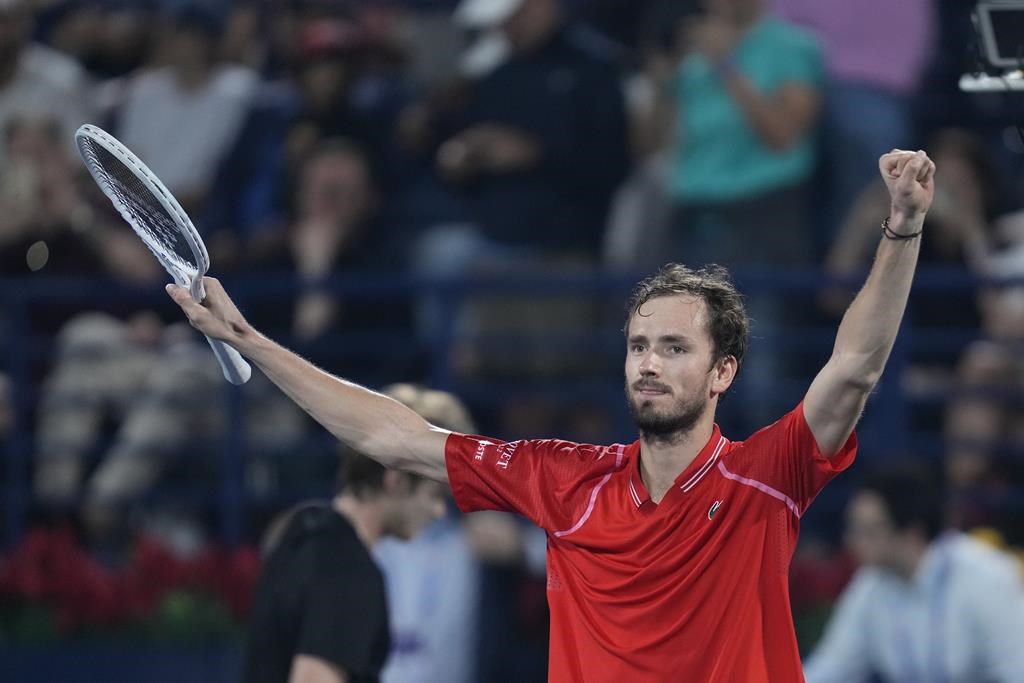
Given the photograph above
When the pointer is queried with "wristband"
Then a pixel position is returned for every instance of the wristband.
(891, 234)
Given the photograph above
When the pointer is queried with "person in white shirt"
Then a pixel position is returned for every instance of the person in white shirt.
(36, 81)
(183, 114)
(927, 605)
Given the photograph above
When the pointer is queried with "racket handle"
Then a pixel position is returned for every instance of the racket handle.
(234, 367)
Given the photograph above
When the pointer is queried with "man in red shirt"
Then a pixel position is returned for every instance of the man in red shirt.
(668, 558)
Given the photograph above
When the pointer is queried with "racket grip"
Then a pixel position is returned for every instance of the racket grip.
(234, 367)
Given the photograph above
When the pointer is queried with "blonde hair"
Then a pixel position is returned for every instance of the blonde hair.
(439, 408)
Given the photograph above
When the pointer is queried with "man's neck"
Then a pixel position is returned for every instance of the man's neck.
(663, 459)
(362, 515)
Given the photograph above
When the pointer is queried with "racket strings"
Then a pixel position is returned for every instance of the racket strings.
(146, 213)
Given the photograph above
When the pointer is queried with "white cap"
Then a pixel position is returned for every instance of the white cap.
(485, 13)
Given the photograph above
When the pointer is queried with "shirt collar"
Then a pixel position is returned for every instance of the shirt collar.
(689, 477)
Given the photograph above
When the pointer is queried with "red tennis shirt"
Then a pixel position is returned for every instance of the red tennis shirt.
(693, 588)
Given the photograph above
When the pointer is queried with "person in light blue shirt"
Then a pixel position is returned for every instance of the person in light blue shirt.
(926, 606)
(433, 586)
(434, 581)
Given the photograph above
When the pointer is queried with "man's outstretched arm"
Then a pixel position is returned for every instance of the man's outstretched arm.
(866, 335)
(372, 424)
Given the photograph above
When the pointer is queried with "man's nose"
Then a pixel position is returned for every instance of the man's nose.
(649, 365)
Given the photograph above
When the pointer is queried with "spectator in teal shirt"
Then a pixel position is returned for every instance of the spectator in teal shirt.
(722, 155)
(740, 101)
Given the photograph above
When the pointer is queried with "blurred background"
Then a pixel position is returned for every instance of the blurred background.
(403, 192)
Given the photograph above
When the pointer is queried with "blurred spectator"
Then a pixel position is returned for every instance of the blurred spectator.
(434, 581)
(337, 230)
(320, 609)
(537, 147)
(541, 143)
(72, 27)
(876, 53)
(37, 81)
(642, 211)
(984, 425)
(741, 107)
(332, 92)
(244, 39)
(40, 201)
(925, 605)
(182, 115)
(155, 382)
(53, 221)
(130, 371)
(146, 396)
(109, 38)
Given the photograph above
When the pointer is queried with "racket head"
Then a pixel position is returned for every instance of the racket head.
(147, 206)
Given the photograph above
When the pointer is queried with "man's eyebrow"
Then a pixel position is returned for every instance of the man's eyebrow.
(665, 338)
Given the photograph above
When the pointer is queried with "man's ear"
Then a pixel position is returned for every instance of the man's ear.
(724, 372)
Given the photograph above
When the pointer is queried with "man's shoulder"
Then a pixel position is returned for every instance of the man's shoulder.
(770, 433)
(982, 563)
(318, 532)
(566, 461)
(603, 456)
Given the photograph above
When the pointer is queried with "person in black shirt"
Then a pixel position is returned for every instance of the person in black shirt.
(320, 612)
(543, 141)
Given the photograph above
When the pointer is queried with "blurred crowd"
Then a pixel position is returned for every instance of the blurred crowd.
(312, 140)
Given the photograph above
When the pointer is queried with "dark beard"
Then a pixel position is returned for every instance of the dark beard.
(665, 426)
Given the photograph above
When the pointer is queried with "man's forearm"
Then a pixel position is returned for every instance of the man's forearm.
(372, 424)
(868, 330)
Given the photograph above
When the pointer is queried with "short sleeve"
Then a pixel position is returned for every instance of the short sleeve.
(795, 57)
(546, 481)
(807, 64)
(343, 619)
(785, 457)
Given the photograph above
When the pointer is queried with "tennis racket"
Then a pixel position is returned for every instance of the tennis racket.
(154, 213)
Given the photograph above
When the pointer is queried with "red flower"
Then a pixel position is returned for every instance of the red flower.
(51, 567)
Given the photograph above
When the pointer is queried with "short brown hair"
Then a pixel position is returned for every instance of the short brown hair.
(728, 323)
